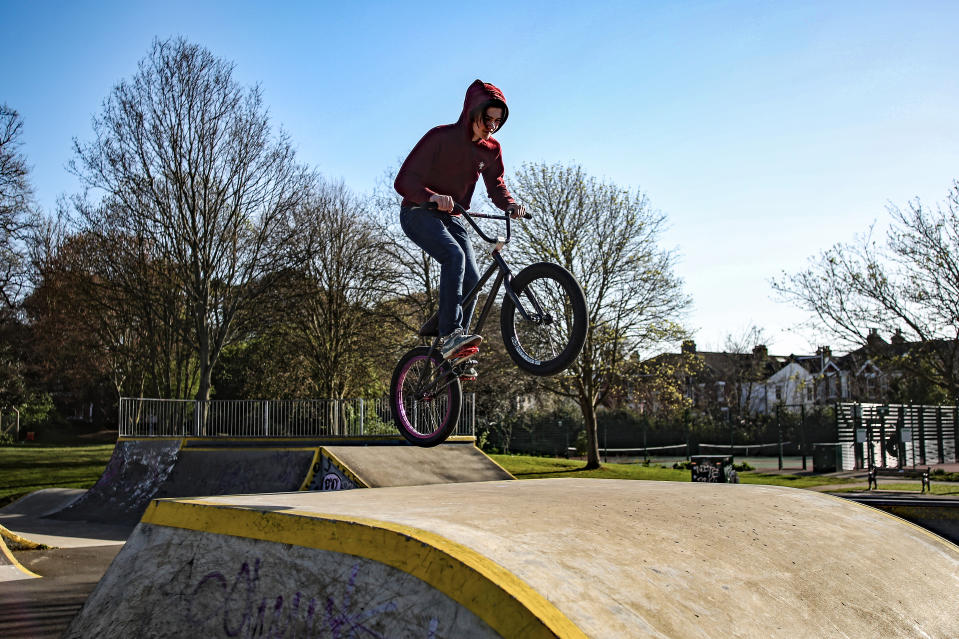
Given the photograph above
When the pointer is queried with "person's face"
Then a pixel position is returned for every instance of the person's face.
(484, 126)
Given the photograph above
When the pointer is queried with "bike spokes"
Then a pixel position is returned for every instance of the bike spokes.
(426, 397)
(544, 336)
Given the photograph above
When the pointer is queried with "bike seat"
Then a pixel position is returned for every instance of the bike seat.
(432, 327)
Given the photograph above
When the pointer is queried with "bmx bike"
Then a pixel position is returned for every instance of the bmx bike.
(543, 323)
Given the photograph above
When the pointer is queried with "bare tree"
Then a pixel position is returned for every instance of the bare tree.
(110, 309)
(346, 275)
(16, 209)
(908, 284)
(745, 364)
(607, 237)
(416, 275)
(196, 188)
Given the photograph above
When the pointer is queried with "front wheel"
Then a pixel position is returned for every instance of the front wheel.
(425, 397)
(550, 338)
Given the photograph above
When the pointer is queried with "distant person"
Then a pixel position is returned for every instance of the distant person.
(443, 168)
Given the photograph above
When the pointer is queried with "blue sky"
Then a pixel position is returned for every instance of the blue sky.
(765, 131)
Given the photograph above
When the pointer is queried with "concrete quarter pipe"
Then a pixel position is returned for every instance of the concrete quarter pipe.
(561, 557)
(146, 469)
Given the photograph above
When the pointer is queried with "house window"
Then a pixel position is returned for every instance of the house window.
(779, 393)
(720, 392)
(809, 393)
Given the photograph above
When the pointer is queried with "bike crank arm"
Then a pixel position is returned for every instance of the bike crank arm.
(432, 386)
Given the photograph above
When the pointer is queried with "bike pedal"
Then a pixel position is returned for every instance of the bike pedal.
(462, 354)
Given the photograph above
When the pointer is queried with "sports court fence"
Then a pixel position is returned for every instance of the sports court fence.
(896, 435)
(141, 417)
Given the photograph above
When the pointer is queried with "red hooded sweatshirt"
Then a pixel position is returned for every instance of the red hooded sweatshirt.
(447, 161)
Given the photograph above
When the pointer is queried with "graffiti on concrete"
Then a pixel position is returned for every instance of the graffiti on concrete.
(131, 479)
(328, 476)
(237, 606)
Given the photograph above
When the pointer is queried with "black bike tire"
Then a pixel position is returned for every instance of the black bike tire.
(546, 270)
(452, 414)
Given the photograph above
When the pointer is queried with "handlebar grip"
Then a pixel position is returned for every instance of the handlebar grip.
(433, 206)
(528, 216)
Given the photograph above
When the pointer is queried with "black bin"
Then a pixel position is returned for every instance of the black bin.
(713, 469)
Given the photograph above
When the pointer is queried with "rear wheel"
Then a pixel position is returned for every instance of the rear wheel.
(551, 338)
(425, 397)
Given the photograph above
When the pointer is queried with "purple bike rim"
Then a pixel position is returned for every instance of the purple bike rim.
(401, 409)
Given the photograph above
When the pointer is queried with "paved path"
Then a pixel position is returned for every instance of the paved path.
(43, 608)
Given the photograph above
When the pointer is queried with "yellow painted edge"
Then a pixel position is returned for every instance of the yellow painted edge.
(150, 439)
(498, 597)
(311, 472)
(336, 461)
(317, 438)
(461, 438)
(21, 541)
(13, 560)
(261, 449)
(494, 462)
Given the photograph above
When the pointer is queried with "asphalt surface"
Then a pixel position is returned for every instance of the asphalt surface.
(43, 608)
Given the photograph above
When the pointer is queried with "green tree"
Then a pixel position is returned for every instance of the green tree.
(607, 236)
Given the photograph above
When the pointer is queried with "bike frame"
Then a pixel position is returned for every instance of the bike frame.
(504, 275)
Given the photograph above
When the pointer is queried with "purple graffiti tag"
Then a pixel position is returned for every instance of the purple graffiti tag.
(248, 612)
(210, 577)
(243, 576)
(337, 618)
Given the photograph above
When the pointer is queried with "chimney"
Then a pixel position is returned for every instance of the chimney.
(689, 346)
(824, 351)
(898, 337)
(873, 338)
(760, 351)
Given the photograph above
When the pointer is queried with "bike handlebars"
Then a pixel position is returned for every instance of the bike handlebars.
(469, 215)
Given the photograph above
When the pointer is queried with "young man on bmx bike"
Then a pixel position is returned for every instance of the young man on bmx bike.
(443, 168)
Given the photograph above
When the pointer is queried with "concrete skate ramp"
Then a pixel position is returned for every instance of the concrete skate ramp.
(41, 502)
(142, 470)
(540, 558)
(381, 466)
(132, 478)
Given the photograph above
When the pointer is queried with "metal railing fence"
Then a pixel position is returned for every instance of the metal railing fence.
(273, 418)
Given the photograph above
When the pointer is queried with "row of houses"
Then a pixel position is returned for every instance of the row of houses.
(758, 382)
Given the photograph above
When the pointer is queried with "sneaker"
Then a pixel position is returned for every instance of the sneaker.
(468, 375)
(457, 341)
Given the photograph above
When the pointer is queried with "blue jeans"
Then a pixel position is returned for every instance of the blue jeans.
(445, 239)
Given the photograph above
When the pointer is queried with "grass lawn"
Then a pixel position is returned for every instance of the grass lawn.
(26, 468)
(526, 467)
